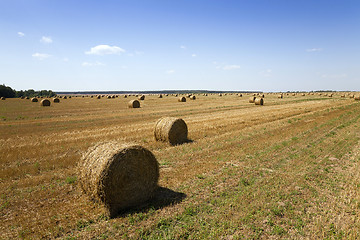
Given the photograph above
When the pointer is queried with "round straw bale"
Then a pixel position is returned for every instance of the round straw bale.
(45, 103)
(3, 98)
(192, 97)
(351, 96)
(56, 100)
(134, 104)
(357, 97)
(34, 99)
(259, 101)
(182, 99)
(125, 96)
(160, 96)
(172, 130)
(252, 99)
(118, 175)
(280, 96)
(65, 97)
(142, 97)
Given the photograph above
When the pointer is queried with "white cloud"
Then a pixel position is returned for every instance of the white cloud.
(88, 64)
(65, 59)
(104, 50)
(314, 50)
(41, 56)
(266, 73)
(194, 55)
(170, 71)
(21, 34)
(46, 40)
(334, 76)
(231, 67)
(183, 47)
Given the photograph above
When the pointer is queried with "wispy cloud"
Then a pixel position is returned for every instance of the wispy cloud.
(88, 64)
(266, 73)
(314, 50)
(194, 55)
(170, 71)
(46, 40)
(334, 76)
(41, 56)
(105, 50)
(230, 67)
(21, 34)
(183, 47)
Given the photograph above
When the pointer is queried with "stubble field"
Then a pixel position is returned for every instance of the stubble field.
(288, 169)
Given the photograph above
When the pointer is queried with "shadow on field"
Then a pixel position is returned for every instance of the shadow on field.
(162, 197)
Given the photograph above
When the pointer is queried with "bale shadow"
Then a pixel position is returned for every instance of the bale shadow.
(183, 142)
(162, 197)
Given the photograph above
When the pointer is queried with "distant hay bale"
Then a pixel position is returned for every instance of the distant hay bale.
(342, 96)
(160, 96)
(357, 97)
(22, 97)
(69, 97)
(120, 176)
(134, 104)
(2, 98)
(142, 97)
(259, 101)
(192, 97)
(182, 99)
(252, 99)
(171, 129)
(34, 99)
(125, 96)
(27, 98)
(330, 95)
(109, 97)
(351, 96)
(280, 96)
(56, 100)
(65, 97)
(220, 95)
(262, 95)
(240, 95)
(45, 103)
(98, 97)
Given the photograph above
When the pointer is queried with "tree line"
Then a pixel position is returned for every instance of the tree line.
(8, 92)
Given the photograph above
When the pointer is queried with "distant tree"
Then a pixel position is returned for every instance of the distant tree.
(6, 91)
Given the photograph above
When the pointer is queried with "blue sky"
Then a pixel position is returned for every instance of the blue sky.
(267, 45)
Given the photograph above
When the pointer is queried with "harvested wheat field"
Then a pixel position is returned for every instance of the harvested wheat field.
(288, 169)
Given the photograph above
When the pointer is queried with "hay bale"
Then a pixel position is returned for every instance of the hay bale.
(172, 130)
(45, 103)
(56, 100)
(259, 101)
(160, 96)
(125, 96)
(142, 97)
(357, 98)
(34, 99)
(192, 97)
(66, 97)
(280, 96)
(182, 99)
(2, 98)
(120, 176)
(252, 99)
(134, 104)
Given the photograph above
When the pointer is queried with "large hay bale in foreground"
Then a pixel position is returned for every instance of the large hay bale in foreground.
(182, 99)
(56, 100)
(118, 175)
(34, 99)
(252, 99)
(259, 101)
(45, 102)
(171, 129)
(134, 104)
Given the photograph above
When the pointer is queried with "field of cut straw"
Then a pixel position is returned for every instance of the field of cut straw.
(287, 169)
